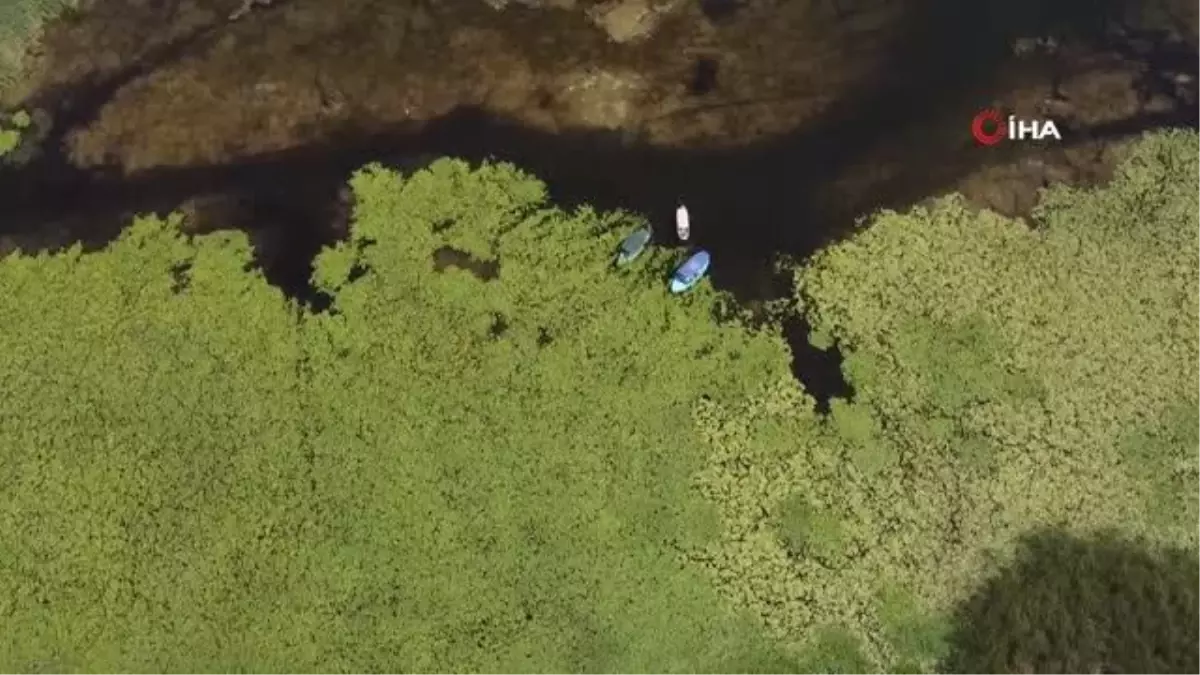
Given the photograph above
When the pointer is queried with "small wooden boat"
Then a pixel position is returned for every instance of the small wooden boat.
(633, 246)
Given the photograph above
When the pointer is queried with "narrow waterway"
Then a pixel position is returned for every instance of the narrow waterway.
(777, 122)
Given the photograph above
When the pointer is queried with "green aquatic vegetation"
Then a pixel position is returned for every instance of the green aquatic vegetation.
(810, 530)
(918, 638)
(859, 430)
(1006, 378)
(11, 131)
(834, 650)
(200, 476)
(560, 467)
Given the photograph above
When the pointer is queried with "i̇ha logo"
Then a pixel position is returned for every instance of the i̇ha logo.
(990, 127)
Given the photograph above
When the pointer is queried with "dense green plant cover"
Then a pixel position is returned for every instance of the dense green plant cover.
(1006, 378)
(833, 649)
(442, 474)
(152, 460)
(559, 467)
(515, 453)
(11, 130)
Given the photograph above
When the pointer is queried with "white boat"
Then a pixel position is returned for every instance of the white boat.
(683, 226)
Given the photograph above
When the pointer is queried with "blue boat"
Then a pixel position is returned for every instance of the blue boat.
(633, 246)
(690, 272)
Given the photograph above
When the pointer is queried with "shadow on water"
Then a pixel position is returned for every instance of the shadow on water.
(720, 10)
(448, 257)
(704, 77)
(819, 370)
(784, 195)
(1070, 605)
(763, 198)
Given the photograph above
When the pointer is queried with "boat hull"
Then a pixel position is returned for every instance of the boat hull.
(632, 247)
(690, 273)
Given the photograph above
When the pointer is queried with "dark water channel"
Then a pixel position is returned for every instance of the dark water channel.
(777, 122)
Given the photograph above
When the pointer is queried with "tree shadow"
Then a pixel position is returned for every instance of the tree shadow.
(1105, 604)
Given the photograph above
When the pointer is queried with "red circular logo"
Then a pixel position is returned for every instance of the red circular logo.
(983, 121)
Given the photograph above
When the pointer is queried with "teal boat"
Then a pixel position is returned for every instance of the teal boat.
(633, 246)
(690, 273)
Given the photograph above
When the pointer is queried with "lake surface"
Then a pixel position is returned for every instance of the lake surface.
(778, 123)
